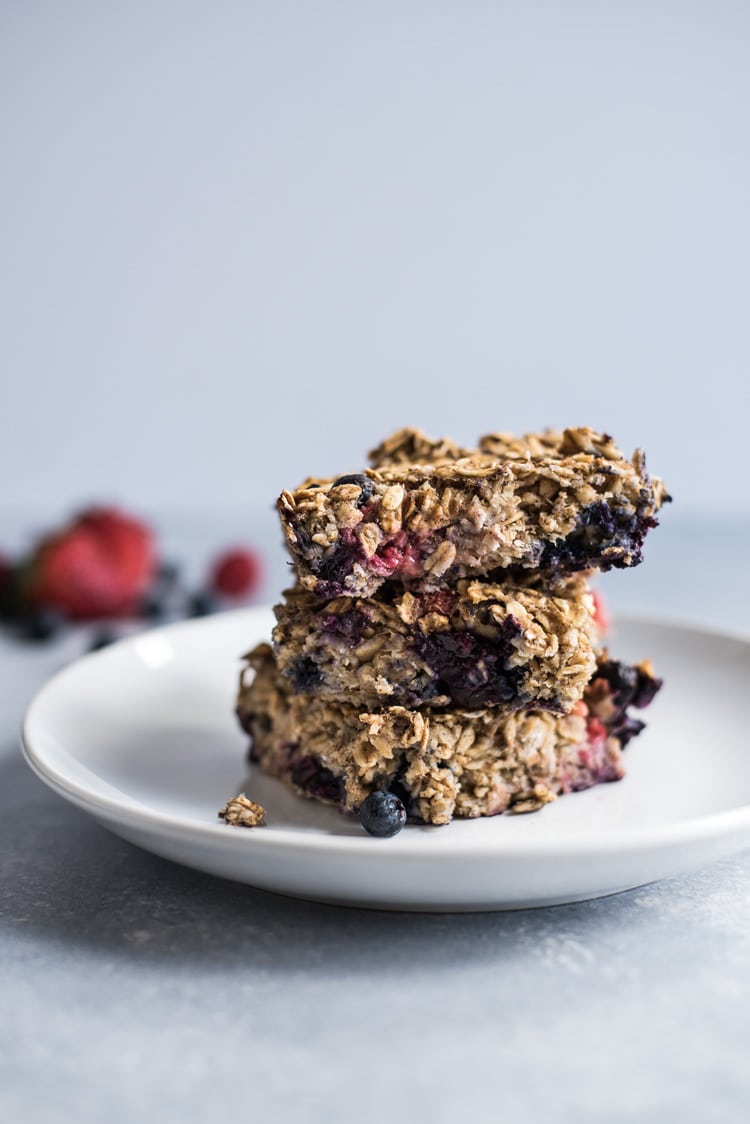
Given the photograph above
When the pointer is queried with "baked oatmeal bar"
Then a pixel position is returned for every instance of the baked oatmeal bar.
(463, 763)
(474, 645)
(554, 502)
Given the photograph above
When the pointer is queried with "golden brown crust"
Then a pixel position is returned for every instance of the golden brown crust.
(412, 446)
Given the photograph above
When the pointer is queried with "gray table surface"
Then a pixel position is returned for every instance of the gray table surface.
(133, 989)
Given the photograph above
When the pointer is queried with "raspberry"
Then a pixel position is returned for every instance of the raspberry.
(236, 573)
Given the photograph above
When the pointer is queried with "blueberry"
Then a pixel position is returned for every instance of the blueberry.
(102, 638)
(333, 569)
(43, 624)
(201, 604)
(9, 592)
(315, 779)
(305, 675)
(364, 483)
(630, 686)
(152, 607)
(606, 536)
(382, 814)
(168, 573)
(348, 626)
(472, 670)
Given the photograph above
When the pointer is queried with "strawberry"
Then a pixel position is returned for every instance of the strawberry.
(100, 566)
(126, 540)
(236, 573)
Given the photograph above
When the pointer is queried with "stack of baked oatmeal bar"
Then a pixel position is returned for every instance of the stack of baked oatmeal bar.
(440, 645)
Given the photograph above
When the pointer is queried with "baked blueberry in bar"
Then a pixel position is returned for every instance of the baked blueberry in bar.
(440, 763)
(473, 645)
(557, 503)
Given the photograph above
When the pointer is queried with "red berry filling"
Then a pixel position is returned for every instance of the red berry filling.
(614, 688)
(399, 555)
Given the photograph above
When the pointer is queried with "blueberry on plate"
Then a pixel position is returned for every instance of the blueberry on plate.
(382, 814)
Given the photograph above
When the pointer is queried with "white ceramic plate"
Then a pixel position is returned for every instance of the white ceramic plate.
(143, 737)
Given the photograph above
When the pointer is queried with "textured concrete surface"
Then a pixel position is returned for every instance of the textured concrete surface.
(133, 989)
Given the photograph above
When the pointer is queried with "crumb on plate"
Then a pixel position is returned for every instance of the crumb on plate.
(241, 812)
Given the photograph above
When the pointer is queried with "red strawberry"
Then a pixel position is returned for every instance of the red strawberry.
(127, 541)
(236, 573)
(98, 567)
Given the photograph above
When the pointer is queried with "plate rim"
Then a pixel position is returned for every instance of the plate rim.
(712, 826)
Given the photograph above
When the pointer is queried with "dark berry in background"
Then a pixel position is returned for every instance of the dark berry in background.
(201, 604)
(382, 814)
(153, 607)
(168, 573)
(43, 624)
(102, 638)
(8, 589)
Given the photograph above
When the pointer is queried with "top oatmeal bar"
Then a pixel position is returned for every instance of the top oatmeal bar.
(429, 512)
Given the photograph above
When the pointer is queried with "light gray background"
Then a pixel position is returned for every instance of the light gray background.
(242, 240)
(239, 242)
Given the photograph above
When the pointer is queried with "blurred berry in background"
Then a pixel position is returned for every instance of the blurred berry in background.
(104, 565)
